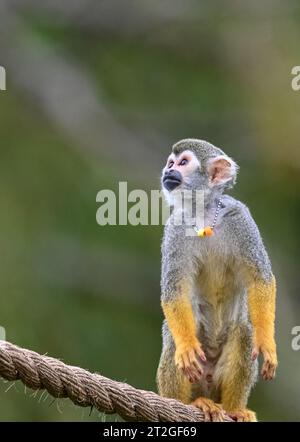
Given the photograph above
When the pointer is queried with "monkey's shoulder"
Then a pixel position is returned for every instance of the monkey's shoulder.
(237, 223)
(232, 207)
(236, 215)
(238, 228)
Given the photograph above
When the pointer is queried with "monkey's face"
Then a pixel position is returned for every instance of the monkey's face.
(182, 172)
(187, 170)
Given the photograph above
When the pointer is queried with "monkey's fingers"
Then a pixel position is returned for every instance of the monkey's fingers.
(200, 353)
(188, 362)
(212, 412)
(269, 366)
(268, 371)
(183, 364)
(191, 374)
(194, 362)
(191, 369)
(218, 416)
(189, 365)
(182, 361)
(195, 375)
(192, 377)
(242, 415)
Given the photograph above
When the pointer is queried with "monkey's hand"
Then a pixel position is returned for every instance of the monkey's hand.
(187, 359)
(270, 363)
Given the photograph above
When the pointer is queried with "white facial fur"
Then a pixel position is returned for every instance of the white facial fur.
(186, 170)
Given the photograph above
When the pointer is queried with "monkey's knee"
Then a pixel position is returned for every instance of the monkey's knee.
(170, 382)
(239, 371)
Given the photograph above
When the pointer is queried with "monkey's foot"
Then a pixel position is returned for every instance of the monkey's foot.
(242, 415)
(212, 412)
(187, 359)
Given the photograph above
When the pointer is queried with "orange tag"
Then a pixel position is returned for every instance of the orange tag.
(207, 231)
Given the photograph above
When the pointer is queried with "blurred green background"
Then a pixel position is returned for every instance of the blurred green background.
(97, 92)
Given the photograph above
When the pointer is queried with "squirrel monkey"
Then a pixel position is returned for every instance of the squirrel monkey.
(218, 292)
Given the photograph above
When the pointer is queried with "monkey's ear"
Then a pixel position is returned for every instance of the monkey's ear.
(222, 170)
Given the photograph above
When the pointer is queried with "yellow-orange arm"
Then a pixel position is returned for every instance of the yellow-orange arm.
(181, 321)
(261, 301)
(180, 318)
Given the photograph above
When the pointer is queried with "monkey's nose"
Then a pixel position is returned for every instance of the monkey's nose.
(172, 179)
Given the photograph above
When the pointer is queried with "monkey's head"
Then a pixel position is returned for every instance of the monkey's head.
(198, 165)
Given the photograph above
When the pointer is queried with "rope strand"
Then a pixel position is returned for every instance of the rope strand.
(87, 389)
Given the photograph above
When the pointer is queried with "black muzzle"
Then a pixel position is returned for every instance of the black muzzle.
(172, 179)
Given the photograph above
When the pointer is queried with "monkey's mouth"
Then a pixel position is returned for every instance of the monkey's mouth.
(171, 182)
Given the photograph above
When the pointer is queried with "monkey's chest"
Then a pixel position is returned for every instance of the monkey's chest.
(217, 297)
(216, 279)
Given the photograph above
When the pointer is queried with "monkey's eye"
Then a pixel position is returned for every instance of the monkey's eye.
(171, 164)
(183, 162)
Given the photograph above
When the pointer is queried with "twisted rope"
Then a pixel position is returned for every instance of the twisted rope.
(90, 389)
